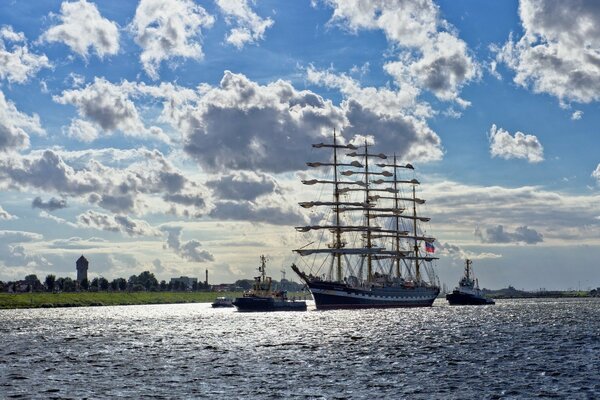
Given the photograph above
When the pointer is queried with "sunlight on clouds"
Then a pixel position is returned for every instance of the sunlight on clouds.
(18, 65)
(251, 28)
(168, 29)
(523, 146)
(82, 27)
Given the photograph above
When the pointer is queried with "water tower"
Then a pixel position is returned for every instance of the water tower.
(82, 268)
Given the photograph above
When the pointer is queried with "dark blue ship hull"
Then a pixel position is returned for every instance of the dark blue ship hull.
(333, 295)
(267, 304)
(457, 298)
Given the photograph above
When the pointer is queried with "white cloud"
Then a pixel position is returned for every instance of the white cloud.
(431, 56)
(241, 125)
(17, 64)
(58, 220)
(108, 106)
(6, 215)
(559, 52)
(250, 27)
(14, 254)
(82, 27)
(121, 190)
(562, 217)
(523, 146)
(459, 253)
(242, 185)
(116, 223)
(387, 114)
(577, 115)
(15, 126)
(274, 213)
(168, 29)
(51, 205)
(189, 250)
(82, 130)
(497, 234)
(596, 173)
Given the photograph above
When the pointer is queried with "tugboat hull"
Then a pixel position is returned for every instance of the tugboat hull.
(457, 298)
(332, 295)
(267, 304)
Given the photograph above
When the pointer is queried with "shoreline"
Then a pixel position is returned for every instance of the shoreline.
(98, 299)
(11, 301)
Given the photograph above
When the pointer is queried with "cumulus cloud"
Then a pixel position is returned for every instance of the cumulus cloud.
(17, 64)
(498, 234)
(120, 190)
(168, 29)
(51, 205)
(82, 27)
(6, 215)
(109, 107)
(459, 253)
(189, 250)
(387, 114)
(564, 218)
(242, 185)
(116, 223)
(82, 130)
(431, 56)
(250, 27)
(16, 126)
(14, 254)
(523, 146)
(559, 52)
(250, 211)
(241, 125)
(576, 116)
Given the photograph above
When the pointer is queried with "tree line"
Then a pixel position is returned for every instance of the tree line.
(145, 281)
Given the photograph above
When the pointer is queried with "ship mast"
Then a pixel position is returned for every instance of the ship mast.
(368, 217)
(337, 242)
(397, 207)
(416, 248)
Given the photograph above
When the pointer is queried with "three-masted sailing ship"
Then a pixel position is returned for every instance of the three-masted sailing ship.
(369, 251)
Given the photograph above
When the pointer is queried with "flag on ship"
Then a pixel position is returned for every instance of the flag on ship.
(429, 248)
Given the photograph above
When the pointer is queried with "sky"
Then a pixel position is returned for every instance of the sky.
(171, 136)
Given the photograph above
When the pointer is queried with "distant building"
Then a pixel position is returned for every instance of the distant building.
(82, 268)
(185, 282)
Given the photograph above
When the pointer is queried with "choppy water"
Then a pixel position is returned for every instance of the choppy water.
(515, 349)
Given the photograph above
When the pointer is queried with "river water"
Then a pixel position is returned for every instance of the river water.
(515, 349)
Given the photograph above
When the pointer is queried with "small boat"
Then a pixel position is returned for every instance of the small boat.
(262, 298)
(468, 292)
(222, 302)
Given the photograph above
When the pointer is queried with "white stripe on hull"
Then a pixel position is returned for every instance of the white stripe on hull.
(384, 300)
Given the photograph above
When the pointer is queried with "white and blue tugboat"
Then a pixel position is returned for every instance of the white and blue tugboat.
(468, 292)
(377, 254)
(262, 298)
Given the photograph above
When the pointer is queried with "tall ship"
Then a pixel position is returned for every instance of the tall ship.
(369, 249)
(467, 292)
(262, 297)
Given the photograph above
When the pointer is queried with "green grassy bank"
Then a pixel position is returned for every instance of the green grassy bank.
(84, 299)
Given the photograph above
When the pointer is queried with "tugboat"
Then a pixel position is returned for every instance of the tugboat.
(468, 292)
(222, 302)
(263, 298)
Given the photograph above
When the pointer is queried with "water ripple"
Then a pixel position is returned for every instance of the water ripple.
(517, 349)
